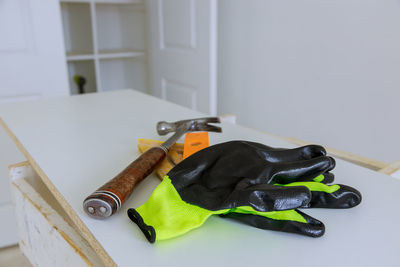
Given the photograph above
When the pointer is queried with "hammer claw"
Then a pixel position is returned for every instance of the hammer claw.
(184, 126)
(209, 128)
(208, 120)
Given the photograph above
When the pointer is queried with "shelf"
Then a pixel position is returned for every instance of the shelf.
(105, 54)
(122, 74)
(120, 27)
(85, 69)
(115, 54)
(75, 1)
(114, 2)
(77, 27)
(77, 56)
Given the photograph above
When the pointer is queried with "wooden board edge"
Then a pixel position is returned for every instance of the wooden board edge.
(391, 168)
(100, 251)
(19, 164)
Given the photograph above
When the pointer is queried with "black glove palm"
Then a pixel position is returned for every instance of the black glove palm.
(230, 171)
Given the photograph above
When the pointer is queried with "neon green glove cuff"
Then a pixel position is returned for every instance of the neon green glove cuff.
(168, 214)
(165, 215)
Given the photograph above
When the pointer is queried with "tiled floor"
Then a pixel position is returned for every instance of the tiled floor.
(13, 257)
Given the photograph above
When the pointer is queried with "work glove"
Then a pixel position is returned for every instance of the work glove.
(250, 182)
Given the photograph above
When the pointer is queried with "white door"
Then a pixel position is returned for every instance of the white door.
(32, 65)
(183, 54)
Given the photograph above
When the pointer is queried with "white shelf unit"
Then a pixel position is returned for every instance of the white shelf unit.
(105, 42)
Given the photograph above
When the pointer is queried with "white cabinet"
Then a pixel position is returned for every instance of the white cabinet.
(105, 43)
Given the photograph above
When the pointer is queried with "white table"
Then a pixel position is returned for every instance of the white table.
(77, 143)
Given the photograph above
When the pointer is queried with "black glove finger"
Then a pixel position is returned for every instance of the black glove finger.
(302, 170)
(296, 154)
(343, 198)
(289, 155)
(312, 228)
(328, 178)
(325, 178)
(265, 197)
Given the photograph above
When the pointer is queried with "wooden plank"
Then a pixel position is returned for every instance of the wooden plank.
(44, 236)
(392, 169)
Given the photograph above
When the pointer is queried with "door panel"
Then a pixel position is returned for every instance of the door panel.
(183, 52)
(13, 13)
(32, 58)
(177, 24)
(181, 94)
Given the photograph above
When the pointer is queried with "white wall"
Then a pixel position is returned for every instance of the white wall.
(319, 70)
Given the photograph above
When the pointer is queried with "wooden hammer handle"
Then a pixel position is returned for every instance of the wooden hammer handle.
(106, 200)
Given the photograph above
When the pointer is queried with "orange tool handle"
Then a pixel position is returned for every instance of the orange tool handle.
(195, 142)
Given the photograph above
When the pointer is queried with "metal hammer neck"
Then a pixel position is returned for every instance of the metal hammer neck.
(173, 139)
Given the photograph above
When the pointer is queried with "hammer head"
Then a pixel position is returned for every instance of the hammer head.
(193, 125)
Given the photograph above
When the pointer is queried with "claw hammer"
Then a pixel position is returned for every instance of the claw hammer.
(109, 198)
